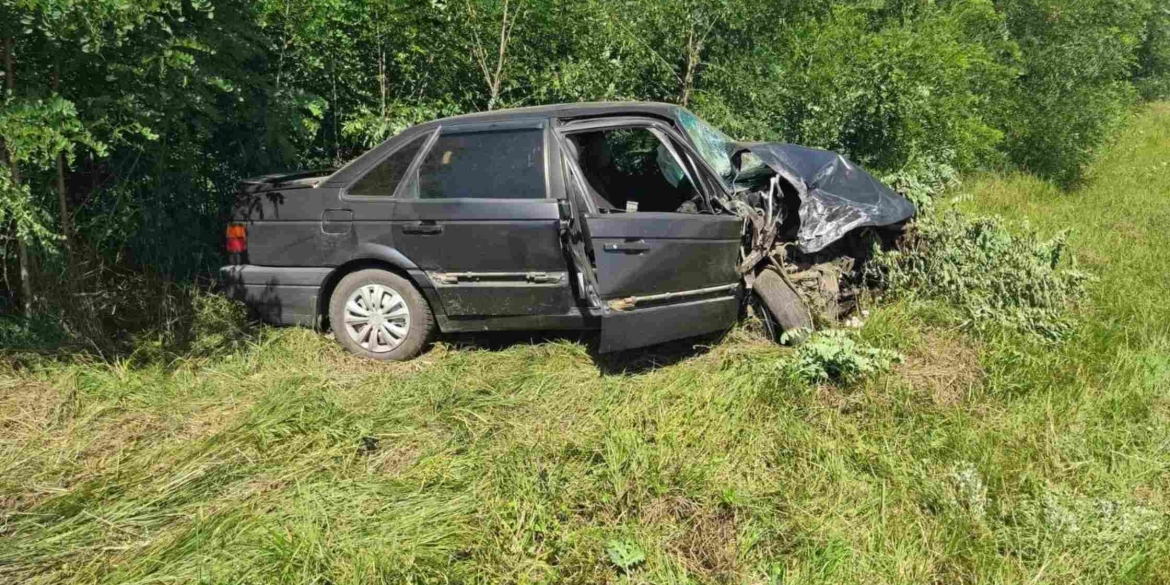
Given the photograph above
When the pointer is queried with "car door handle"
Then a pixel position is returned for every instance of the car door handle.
(423, 228)
(639, 246)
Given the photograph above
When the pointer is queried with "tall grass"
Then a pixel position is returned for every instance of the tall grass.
(995, 457)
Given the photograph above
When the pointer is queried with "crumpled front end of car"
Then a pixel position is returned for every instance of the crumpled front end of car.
(806, 211)
(836, 196)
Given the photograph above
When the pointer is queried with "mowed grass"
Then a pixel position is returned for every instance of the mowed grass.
(990, 459)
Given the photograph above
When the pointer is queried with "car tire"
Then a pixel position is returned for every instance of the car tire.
(380, 315)
(783, 306)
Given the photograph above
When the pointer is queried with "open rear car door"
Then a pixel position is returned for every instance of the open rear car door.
(657, 276)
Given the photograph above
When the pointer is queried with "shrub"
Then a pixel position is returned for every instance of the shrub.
(992, 273)
(1153, 72)
(36, 333)
(924, 180)
(889, 90)
(1078, 57)
(838, 356)
(218, 324)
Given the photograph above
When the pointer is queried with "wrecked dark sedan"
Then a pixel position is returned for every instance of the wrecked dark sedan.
(637, 220)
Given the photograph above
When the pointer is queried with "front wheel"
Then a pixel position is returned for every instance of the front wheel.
(380, 315)
(784, 307)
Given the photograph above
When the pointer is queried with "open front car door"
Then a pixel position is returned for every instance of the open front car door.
(664, 276)
(658, 268)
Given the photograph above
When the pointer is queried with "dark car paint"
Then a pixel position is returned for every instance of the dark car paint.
(675, 254)
(490, 264)
(481, 263)
(692, 254)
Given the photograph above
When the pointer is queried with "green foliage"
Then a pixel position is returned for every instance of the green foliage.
(290, 461)
(1078, 57)
(924, 181)
(890, 90)
(35, 132)
(1153, 66)
(121, 314)
(28, 333)
(994, 274)
(838, 356)
(218, 325)
(188, 97)
(30, 221)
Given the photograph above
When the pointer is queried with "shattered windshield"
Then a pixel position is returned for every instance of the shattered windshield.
(714, 146)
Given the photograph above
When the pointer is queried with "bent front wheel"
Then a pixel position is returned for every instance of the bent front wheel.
(784, 307)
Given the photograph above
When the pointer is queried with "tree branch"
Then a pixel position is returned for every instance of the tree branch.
(494, 79)
(477, 49)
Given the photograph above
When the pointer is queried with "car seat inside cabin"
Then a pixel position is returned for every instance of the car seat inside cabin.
(631, 169)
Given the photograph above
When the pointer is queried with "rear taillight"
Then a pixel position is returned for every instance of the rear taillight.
(237, 238)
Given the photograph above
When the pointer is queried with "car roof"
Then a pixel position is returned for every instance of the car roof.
(356, 167)
(575, 110)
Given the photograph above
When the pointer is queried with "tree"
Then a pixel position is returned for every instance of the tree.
(492, 58)
(41, 128)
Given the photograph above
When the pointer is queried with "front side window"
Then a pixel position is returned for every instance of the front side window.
(384, 179)
(497, 164)
(633, 169)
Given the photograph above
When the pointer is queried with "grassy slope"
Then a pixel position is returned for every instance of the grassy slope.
(992, 461)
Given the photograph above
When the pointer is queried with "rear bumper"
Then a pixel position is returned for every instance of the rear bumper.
(280, 295)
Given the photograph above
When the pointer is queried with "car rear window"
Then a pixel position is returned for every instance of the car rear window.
(385, 177)
(497, 164)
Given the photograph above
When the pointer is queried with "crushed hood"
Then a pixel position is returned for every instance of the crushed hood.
(836, 196)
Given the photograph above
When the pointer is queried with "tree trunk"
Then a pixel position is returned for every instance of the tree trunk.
(382, 76)
(63, 203)
(505, 35)
(283, 43)
(62, 194)
(26, 288)
(694, 50)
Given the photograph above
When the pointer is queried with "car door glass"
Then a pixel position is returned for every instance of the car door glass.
(496, 164)
(384, 178)
(670, 167)
(634, 170)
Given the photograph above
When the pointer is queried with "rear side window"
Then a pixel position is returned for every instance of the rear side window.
(385, 177)
(500, 164)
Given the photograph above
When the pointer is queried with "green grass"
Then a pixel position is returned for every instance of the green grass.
(990, 459)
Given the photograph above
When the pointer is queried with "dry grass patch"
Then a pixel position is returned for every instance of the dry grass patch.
(944, 365)
(26, 406)
(703, 539)
(210, 419)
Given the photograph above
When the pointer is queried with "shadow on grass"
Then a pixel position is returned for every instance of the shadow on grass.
(628, 362)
